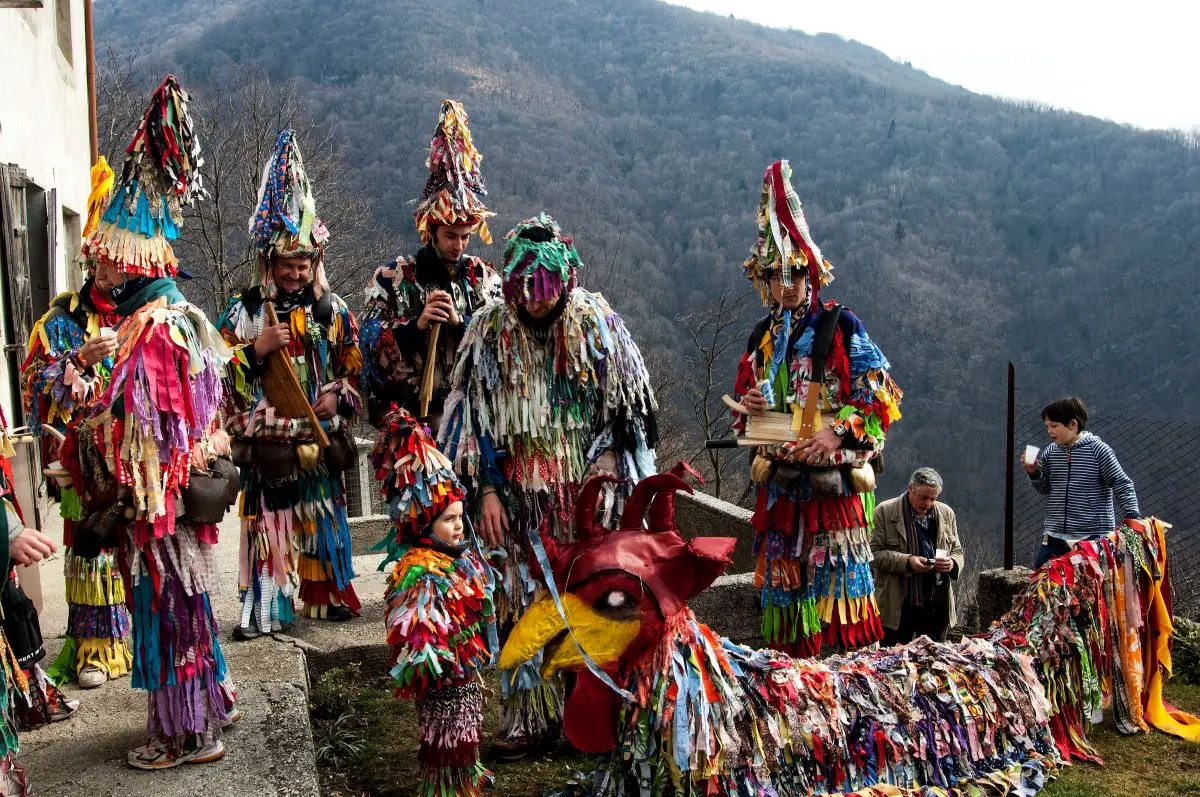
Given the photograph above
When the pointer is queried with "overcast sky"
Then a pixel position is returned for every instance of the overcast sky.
(1133, 62)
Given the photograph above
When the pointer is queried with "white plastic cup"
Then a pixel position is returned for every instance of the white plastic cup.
(941, 553)
(1031, 454)
(107, 332)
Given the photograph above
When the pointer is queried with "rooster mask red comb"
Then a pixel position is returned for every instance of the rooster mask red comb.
(672, 568)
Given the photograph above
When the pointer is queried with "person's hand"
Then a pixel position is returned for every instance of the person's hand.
(493, 521)
(943, 564)
(31, 547)
(326, 406)
(273, 338)
(754, 402)
(97, 349)
(918, 564)
(818, 447)
(1030, 467)
(439, 309)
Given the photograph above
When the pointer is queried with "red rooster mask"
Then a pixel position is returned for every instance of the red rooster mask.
(618, 588)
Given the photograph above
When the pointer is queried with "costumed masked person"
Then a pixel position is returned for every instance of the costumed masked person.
(549, 388)
(293, 494)
(67, 367)
(439, 606)
(18, 546)
(438, 288)
(137, 459)
(814, 363)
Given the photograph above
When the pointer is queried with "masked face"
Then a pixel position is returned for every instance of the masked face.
(789, 297)
(542, 307)
(107, 276)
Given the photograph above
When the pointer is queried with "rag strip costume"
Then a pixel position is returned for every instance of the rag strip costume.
(132, 460)
(394, 348)
(439, 615)
(1097, 622)
(293, 503)
(14, 683)
(561, 396)
(689, 712)
(810, 521)
(58, 390)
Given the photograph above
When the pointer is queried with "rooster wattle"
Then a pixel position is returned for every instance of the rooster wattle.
(711, 717)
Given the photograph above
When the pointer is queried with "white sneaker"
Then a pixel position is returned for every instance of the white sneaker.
(92, 677)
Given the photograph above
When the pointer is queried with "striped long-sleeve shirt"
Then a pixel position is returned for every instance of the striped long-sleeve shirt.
(1079, 483)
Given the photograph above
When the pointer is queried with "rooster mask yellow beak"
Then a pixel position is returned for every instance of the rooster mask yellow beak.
(603, 637)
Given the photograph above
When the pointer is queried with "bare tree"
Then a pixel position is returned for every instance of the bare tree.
(121, 96)
(714, 332)
(238, 114)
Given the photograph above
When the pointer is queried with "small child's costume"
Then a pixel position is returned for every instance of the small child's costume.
(439, 616)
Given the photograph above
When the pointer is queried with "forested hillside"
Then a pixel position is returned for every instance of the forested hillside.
(966, 231)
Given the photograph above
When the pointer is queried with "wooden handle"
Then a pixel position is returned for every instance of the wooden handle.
(279, 363)
(427, 374)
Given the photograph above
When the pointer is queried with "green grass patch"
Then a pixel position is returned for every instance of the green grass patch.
(1146, 765)
(366, 742)
(366, 745)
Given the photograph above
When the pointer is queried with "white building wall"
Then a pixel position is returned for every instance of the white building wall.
(44, 131)
(44, 120)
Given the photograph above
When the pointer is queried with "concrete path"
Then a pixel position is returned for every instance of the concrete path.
(270, 752)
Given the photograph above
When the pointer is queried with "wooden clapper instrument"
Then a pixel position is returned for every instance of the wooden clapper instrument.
(283, 388)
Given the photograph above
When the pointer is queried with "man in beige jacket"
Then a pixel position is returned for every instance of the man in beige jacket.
(917, 559)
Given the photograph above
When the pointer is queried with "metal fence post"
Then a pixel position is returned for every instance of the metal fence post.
(1010, 462)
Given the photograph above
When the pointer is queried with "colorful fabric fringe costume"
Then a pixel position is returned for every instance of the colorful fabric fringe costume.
(394, 347)
(14, 780)
(562, 396)
(439, 617)
(131, 459)
(1097, 622)
(58, 389)
(294, 521)
(688, 712)
(811, 536)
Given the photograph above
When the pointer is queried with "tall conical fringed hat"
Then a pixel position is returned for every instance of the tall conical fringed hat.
(539, 261)
(285, 221)
(454, 191)
(416, 479)
(160, 176)
(784, 242)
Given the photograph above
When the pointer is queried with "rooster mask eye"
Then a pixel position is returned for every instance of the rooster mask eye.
(617, 604)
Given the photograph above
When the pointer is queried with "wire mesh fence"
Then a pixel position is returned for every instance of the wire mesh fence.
(1156, 455)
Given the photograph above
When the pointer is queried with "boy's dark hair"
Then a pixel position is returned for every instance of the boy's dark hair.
(1066, 410)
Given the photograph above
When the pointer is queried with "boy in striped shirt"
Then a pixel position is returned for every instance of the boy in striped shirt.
(1079, 474)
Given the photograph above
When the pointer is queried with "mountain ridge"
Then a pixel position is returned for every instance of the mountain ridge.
(965, 230)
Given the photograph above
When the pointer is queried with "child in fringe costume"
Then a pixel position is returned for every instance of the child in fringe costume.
(18, 546)
(293, 496)
(549, 388)
(815, 497)
(439, 286)
(67, 367)
(439, 598)
(154, 422)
